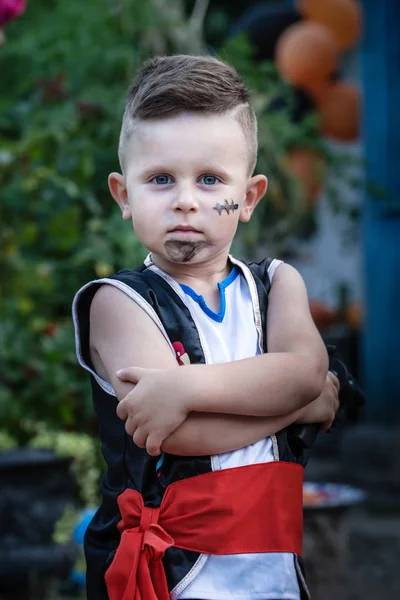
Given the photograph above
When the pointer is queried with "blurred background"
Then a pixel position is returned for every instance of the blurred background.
(325, 80)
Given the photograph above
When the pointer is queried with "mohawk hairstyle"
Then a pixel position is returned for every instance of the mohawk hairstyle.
(167, 86)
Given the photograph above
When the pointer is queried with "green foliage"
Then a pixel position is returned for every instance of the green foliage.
(7, 442)
(64, 78)
(83, 450)
(64, 527)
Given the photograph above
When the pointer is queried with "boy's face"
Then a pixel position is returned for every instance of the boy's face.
(186, 187)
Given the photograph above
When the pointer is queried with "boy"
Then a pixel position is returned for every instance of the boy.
(218, 514)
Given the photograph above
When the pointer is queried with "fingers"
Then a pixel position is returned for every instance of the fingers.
(325, 427)
(140, 438)
(334, 404)
(333, 378)
(130, 426)
(335, 382)
(122, 410)
(130, 374)
(134, 374)
(153, 444)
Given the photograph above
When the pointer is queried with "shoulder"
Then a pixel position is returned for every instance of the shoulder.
(275, 270)
(286, 276)
(264, 269)
(260, 269)
(109, 299)
(121, 298)
(124, 328)
(101, 292)
(107, 303)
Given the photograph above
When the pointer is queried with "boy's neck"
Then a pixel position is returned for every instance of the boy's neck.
(207, 273)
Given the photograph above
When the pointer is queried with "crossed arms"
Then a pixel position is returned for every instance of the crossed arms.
(209, 409)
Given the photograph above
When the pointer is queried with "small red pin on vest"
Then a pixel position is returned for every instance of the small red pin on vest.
(181, 355)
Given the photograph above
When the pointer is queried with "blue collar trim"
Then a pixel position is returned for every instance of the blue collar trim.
(222, 285)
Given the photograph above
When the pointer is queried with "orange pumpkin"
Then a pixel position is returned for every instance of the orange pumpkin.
(342, 17)
(355, 315)
(306, 53)
(308, 167)
(339, 111)
(317, 88)
(322, 315)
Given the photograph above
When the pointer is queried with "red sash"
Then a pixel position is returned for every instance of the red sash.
(256, 508)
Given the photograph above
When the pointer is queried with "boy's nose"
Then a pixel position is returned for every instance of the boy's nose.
(185, 201)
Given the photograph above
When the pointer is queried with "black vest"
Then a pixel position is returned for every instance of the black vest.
(131, 467)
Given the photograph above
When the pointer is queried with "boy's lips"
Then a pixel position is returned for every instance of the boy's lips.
(184, 229)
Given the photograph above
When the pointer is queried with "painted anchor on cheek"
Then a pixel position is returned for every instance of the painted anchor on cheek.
(228, 207)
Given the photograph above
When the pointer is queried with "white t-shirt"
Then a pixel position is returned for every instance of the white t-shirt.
(227, 336)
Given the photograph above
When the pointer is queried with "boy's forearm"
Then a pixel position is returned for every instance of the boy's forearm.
(210, 433)
(267, 385)
(213, 433)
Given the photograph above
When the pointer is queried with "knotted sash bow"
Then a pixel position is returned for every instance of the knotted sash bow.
(256, 508)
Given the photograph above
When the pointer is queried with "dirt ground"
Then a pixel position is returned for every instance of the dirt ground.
(355, 557)
(374, 556)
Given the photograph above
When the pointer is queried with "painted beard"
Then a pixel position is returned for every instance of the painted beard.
(183, 251)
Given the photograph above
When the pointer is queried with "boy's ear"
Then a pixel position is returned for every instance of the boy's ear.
(256, 188)
(117, 185)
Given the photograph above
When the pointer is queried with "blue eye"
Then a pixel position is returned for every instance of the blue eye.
(161, 180)
(209, 179)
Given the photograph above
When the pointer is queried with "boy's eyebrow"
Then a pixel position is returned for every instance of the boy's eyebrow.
(149, 170)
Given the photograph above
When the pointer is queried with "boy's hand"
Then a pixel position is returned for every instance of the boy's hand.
(154, 408)
(324, 408)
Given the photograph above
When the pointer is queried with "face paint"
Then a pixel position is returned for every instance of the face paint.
(228, 207)
(183, 251)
